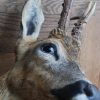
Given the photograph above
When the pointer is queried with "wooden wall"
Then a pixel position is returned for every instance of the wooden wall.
(10, 16)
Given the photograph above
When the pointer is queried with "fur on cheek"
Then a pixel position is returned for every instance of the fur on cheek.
(27, 85)
(18, 84)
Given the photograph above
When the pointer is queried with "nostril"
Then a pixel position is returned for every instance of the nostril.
(88, 91)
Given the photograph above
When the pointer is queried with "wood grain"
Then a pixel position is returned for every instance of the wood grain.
(10, 16)
(6, 62)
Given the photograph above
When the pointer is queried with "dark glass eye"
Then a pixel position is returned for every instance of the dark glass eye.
(48, 48)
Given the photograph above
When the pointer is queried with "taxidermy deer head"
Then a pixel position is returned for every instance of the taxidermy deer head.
(48, 69)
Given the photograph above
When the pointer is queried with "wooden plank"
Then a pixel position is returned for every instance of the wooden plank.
(7, 45)
(7, 61)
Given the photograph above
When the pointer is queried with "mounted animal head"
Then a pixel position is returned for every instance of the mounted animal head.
(48, 69)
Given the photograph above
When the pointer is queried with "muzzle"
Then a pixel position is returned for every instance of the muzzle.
(80, 90)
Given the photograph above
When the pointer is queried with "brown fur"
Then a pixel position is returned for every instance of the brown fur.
(32, 79)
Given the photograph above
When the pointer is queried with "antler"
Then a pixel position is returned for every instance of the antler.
(72, 44)
(64, 20)
(65, 14)
(77, 30)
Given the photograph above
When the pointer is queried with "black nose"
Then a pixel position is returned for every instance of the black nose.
(50, 48)
(80, 87)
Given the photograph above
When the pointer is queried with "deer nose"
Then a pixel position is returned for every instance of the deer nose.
(80, 90)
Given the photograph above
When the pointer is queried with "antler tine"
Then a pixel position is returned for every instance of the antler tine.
(90, 10)
(77, 30)
(65, 14)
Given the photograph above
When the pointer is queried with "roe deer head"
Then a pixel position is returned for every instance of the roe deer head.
(48, 69)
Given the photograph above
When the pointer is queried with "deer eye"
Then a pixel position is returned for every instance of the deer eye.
(49, 48)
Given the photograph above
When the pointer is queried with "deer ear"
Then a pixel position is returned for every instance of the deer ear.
(32, 19)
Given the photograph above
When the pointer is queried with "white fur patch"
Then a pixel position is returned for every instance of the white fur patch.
(80, 97)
